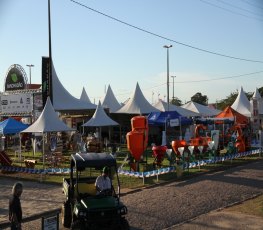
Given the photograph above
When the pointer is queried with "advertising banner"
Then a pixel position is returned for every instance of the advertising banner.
(15, 78)
(17, 103)
(45, 79)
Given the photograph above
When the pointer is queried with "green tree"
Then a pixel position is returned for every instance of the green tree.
(199, 98)
(260, 90)
(176, 101)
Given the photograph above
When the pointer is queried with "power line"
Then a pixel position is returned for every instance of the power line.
(231, 11)
(253, 4)
(221, 78)
(239, 8)
(165, 38)
(198, 81)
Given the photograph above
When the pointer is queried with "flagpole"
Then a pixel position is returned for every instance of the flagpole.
(50, 93)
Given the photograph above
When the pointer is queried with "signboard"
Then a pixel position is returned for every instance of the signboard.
(46, 79)
(17, 103)
(174, 122)
(15, 78)
(37, 102)
(50, 223)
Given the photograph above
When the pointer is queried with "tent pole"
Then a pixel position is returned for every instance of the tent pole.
(43, 149)
(20, 151)
(181, 134)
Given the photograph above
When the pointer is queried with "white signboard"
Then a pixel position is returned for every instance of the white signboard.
(174, 122)
(50, 223)
(17, 103)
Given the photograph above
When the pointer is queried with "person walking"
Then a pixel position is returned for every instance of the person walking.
(15, 209)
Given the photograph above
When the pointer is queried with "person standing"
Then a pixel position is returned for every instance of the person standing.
(15, 209)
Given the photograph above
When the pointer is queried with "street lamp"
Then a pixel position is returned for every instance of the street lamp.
(167, 47)
(173, 85)
(30, 66)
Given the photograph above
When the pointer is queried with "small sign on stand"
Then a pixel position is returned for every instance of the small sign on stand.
(50, 222)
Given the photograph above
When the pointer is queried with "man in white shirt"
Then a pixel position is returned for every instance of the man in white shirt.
(103, 181)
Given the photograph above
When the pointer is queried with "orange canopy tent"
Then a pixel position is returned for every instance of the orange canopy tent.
(228, 112)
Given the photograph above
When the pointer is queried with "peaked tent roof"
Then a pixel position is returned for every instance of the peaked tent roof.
(63, 100)
(100, 118)
(229, 112)
(256, 96)
(11, 126)
(201, 109)
(241, 104)
(48, 121)
(162, 106)
(84, 96)
(137, 104)
(110, 101)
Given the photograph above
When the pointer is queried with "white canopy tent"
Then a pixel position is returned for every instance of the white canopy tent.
(109, 101)
(63, 100)
(241, 104)
(48, 121)
(84, 96)
(162, 106)
(137, 104)
(100, 119)
(259, 100)
(202, 110)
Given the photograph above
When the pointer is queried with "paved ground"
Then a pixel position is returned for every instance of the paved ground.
(39, 197)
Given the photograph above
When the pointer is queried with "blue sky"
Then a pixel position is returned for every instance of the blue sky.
(91, 50)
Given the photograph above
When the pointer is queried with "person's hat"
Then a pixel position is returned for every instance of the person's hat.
(105, 170)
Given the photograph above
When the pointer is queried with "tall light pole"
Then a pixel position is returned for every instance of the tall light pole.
(167, 47)
(173, 85)
(30, 66)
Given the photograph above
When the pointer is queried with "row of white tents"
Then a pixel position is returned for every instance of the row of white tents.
(137, 104)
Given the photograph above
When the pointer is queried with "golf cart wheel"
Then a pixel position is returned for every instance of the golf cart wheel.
(124, 224)
(66, 215)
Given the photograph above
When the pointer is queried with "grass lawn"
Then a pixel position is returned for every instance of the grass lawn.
(250, 207)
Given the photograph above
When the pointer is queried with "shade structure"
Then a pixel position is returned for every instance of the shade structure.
(161, 118)
(84, 96)
(100, 118)
(11, 126)
(163, 106)
(63, 100)
(202, 110)
(229, 112)
(48, 121)
(137, 104)
(241, 104)
(110, 101)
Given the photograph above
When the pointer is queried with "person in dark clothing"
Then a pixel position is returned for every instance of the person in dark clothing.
(15, 209)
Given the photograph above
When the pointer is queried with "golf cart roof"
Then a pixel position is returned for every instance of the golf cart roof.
(97, 160)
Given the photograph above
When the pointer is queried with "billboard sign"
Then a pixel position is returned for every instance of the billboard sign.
(46, 81)
(15, 78)
(17, 103)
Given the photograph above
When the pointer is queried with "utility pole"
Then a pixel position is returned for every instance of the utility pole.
(167, 47)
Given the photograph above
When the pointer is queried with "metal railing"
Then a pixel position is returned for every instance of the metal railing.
(46, 214)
